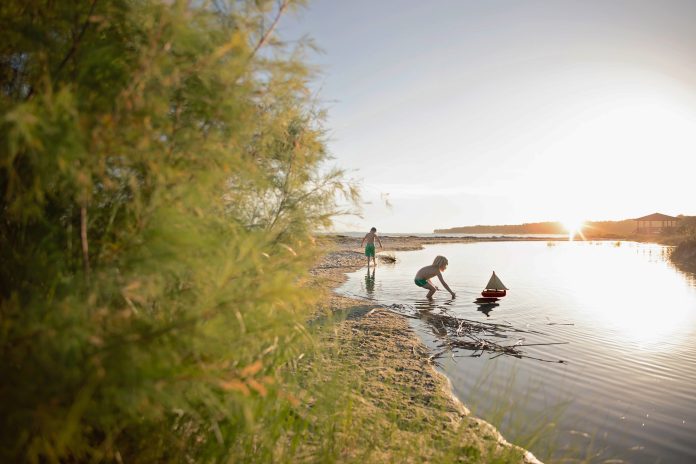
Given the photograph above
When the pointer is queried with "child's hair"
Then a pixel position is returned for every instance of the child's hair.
(440, 261)
(374, 229)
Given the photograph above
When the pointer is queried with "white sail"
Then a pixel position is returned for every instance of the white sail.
(495, 283)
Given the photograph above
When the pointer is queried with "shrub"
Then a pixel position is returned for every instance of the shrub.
(161, 169)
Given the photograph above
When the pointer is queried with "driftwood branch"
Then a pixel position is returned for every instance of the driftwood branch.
(458, 334)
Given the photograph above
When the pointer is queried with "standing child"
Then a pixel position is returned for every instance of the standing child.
(426, 273)
(370, 247)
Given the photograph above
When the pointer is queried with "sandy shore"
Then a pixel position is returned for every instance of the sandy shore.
(379, 346)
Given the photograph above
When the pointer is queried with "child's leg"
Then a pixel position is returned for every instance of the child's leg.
(431, 290)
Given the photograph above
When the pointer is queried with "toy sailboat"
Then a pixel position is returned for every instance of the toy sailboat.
(494, 288)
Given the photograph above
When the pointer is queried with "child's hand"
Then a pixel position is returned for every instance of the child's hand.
(453, 294)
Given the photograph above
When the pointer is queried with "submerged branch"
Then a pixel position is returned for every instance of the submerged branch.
(478, 337)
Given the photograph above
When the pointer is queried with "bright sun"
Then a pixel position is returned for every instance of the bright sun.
(573, 226)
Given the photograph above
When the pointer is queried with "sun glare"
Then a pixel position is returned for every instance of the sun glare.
(650, 318)
(573, 227)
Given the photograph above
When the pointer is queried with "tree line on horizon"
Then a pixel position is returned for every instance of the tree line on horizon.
(686, 227)
(597, 228)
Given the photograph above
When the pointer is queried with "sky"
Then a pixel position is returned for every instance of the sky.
(456, 113)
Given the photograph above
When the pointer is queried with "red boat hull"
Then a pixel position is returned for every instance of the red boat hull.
(494, 293)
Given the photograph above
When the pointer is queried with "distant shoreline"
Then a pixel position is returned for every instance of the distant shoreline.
(683, 257)
(596, 228)
(414, 242)
(487, 236)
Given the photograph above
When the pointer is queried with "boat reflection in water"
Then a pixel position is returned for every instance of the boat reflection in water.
(486, 307)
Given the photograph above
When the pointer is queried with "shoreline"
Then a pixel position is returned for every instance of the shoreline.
(404, 358)
(684, 259)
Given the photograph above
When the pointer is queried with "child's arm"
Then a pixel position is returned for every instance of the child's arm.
(380, 242)
(363, 240)
(439, 276)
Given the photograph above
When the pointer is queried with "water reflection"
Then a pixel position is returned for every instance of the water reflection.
(425, 304)
(636, 299)
(486, 304)
(370, 283)
(486, 307)
(427, 311)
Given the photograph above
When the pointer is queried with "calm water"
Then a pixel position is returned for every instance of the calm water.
(628, 388)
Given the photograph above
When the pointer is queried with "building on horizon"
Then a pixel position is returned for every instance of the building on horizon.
(655, 223)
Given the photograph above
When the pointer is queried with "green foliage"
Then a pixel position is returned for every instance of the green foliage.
(684, 254)
(161, 167)
(686, 227)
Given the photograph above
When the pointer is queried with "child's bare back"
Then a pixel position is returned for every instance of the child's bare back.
(370, 247)
(428, 272)
(370, 237)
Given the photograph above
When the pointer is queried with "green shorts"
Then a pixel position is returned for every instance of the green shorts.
(370, 250)
(420, 282)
